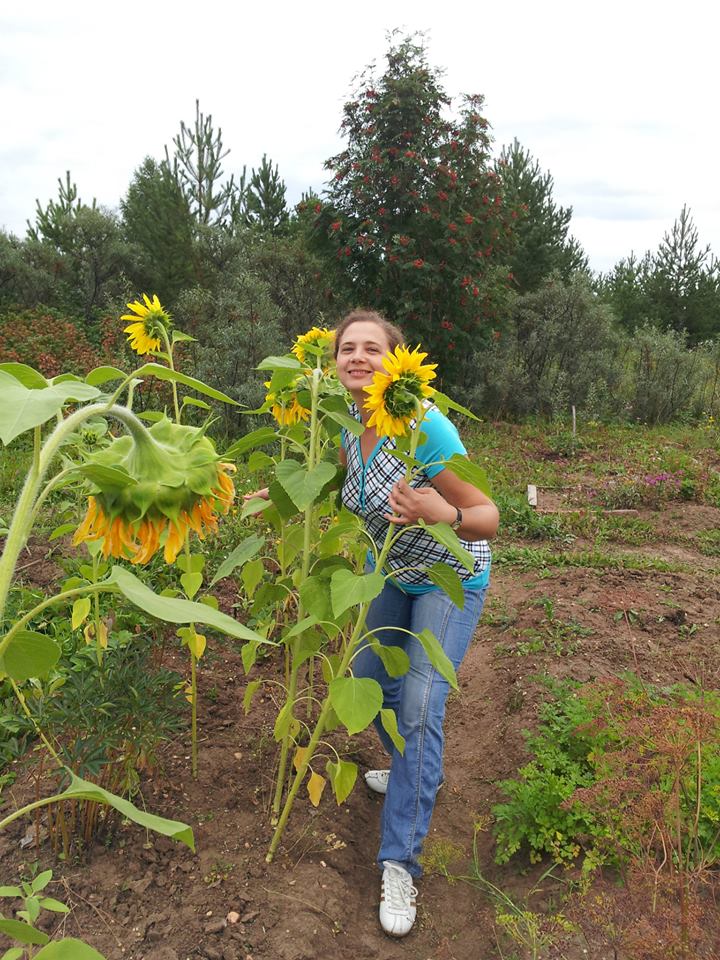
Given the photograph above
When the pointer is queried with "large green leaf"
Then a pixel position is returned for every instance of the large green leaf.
(444, 534)
(23, 932)
(356, 701)
(315, 598)
(394, 659)
(445, 403)
(75, 390)
(437, 656)
(28, 376)
(165, 373)
(443, 576)
(389, 722)
(241, 554)
(68, 949)
(336, 409)
(174, 610)
(28, 655)
(301, 485)
(280, 363)
(258, 438)
(348, 589)
(282, 502)
(468, 471)
(104, 374)
(342, 776)
(22, 408)
(80, 789)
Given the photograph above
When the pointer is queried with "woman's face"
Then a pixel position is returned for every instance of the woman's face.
(360, 354)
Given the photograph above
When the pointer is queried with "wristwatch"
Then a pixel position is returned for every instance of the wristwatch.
(457, 522)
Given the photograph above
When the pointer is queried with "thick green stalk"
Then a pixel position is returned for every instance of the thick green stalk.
(305, 570)
(25, 508)
(169, 351)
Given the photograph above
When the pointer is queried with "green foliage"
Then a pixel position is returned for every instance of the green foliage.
(157, 218)
(197, 168)
(541, 234)
(620, 769)
(666, 380)
(265, 206)
(559, 349)
(415, 219)
(675, 289)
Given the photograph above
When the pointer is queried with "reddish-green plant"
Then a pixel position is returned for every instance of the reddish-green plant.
(47, 341)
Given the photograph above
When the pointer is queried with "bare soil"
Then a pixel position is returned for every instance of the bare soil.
(146, 898)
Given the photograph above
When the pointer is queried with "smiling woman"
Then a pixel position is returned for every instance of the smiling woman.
(387, 382)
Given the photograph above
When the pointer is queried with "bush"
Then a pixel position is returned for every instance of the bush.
(46, 340)
(559, 350)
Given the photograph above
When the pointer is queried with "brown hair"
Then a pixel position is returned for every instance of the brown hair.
(393, 333)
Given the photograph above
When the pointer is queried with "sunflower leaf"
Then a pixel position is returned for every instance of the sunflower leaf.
(241, 554)
(445, 577)
(104, 374)
(175, 610)
(445, 535)
(165, 373)
(467, 470)
(28, 376)
(445, 403)
(280, 363)
(257, 438)
(356, 701)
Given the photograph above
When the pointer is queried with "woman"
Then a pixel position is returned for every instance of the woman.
(375, 489)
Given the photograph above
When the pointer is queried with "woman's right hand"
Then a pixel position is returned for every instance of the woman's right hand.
(263, 494)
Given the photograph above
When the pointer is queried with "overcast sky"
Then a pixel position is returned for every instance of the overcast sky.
(617, 100)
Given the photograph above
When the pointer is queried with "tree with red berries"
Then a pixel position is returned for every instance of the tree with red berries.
(414, 217)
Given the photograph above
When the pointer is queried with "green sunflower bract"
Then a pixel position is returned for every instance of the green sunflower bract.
(176, 483)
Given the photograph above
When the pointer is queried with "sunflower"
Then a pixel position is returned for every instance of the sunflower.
(176, 485)
(393, 396)
(148, 321)
(319, 337)
(286, 408)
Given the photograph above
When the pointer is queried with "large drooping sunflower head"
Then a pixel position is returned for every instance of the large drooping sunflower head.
(320, 340)
(285, 406)
(148, 320)
(166, 481)
(393, 396)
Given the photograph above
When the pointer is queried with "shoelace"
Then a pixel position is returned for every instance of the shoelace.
(398, 891)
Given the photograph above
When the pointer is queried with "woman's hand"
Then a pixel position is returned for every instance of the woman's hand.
(263, 494)
(411, 504)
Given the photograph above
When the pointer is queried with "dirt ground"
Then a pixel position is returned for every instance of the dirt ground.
(147, 898)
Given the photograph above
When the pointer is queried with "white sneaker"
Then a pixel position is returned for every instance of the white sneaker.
(377, 780)
(397, 900)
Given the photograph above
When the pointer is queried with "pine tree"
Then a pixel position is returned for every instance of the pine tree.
(543, 246)
(197, 166)
(157, 217)
(685, 285)
(265, 199)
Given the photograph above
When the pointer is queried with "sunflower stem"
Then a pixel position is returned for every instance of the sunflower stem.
(24, 513)
(169, 352)
(304, 572)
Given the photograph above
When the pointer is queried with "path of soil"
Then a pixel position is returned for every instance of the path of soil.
(147, 898)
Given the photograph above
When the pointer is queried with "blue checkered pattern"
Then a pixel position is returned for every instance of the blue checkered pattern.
(365, 492)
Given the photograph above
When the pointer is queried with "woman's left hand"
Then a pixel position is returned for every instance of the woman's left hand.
(411, 504)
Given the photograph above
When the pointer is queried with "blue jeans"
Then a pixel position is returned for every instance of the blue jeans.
(418, 699)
